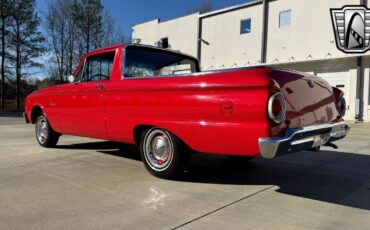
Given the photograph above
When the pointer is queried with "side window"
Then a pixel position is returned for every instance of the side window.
(285, 18)
(245, 26)
(149, 62)
(98, 67)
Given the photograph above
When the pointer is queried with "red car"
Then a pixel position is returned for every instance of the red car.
(159, 100)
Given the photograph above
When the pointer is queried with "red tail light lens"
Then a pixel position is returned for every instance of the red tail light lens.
(342, 106)
(277, 108)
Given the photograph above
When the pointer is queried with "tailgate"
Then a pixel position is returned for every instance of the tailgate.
(310, 99)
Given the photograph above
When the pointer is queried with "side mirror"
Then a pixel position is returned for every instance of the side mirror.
(71, 78)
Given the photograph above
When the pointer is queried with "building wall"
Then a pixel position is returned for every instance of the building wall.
(147, 32)
(367, 89)
(227, 47)
(181, 32)
(310, 35)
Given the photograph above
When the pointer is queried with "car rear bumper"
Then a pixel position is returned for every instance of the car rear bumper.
(307, 138)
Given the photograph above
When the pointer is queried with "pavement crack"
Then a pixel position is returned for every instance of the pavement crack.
(288, 180)
(223, 207)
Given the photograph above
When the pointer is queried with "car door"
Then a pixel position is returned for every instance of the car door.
(82, 110)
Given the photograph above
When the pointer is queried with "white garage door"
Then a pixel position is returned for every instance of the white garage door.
(338, 79)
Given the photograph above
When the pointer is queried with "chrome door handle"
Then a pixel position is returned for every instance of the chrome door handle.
(101, 87)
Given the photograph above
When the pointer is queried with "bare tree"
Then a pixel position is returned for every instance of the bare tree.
(60, 30)
(72, 35)
(111, 33)
(71, 44)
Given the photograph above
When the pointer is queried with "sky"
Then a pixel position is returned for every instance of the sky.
(131, 12)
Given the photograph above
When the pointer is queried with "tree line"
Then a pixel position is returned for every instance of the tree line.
(53, 40)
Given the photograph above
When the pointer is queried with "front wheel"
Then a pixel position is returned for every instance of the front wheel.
(45, 135)
(163, 153)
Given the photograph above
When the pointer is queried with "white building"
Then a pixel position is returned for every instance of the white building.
(294, 34)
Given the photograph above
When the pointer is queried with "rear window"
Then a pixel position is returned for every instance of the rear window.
(149, 62)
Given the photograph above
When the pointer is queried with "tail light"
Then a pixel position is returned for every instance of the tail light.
(342, 106)
(277, 108)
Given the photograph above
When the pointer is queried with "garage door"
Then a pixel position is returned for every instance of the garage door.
(338, 79)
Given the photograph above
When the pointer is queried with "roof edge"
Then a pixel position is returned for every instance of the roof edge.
(231, 8)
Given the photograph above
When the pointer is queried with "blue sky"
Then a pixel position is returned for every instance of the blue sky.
(128, 13)
(131, 12)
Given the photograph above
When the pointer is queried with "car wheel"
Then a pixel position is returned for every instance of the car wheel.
(163, 153)
(45, 135)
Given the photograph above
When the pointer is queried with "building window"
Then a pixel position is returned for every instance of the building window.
(285, 19)
(245, 26)
(164, 43)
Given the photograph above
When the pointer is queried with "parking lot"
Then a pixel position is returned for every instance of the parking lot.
(93, 184)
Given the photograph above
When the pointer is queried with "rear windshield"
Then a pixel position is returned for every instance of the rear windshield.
(148, 62)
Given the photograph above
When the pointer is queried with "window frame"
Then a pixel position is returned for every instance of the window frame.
(290, 19)
(84, 64)
(80, 70)
(241, 26)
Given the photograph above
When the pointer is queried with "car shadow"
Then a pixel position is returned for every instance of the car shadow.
(341, 178)
(107, 147)
(336, 177)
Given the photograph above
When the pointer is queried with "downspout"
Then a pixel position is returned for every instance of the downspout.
(199, 48)
(361, 76)
(265, 19)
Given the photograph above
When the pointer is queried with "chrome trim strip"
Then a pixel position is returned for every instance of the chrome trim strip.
(302, 141)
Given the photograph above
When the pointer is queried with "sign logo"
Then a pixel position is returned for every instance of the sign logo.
(352, 28)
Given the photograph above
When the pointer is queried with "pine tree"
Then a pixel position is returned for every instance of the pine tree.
(5, 16)
(88, 15)
(26, 41)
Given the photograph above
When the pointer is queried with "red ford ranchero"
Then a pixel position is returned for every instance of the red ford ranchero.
(159, 100)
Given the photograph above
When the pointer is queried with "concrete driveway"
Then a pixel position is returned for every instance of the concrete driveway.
(92, 184)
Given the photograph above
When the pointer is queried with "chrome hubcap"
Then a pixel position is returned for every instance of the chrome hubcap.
(42, 129)
(158, 149)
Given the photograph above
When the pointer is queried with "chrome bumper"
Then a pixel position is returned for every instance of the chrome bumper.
(307, 138)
